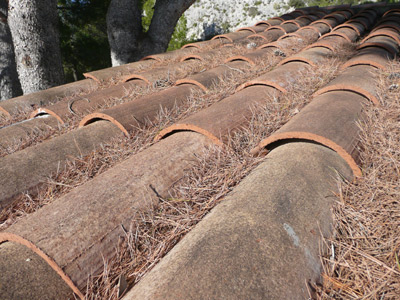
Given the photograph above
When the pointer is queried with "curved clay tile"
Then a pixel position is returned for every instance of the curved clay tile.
(313, 56)
(116, 72)
(289, 35)
(394, 10)
(309, 18)
(358, 79)
(208, 79)
(45, 111)
(219, 120)
(344, 13)
(289, 27)
(373, 56)
(330, 120)
(384, 42)
(328, 22)
(26, 169)
(35, 279)
(206, 44)
(237, 251)
(388, 25)
(245, 58)
(74, 229)
(366, 23)
(4, 112)
(324, 44)
(269, 22)
(269, 36)
(273, 28)
(282, 78)
(358, 29)
(294, 22)
(319, 28)
(383, 32)
(128, 116)
(191, 56)
(153, 57)
(339, 34)
(233, 36)
(339, 18)
(309, 32)
(12, 106)
(389, 19)
(23, 130)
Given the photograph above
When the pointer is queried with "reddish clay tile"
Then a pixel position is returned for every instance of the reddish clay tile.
(373, 56)
(224, 117)
(394, 10)
(274, 28)
(116, 72)
(338, 17)
(233, 36)
(384, 42)
(13, 106)
(311, 56)
(269, 22)
(269, 36)
(208, 79)
(70, 233)
(290, 35)
(206, 44)
(364, 21)
(263, 234)
(25, 170)
(319, 28)
(130, 115)
(330, 120)
(357, 27)
(251, 57)
(390, 19)
(4, 112)
(328, 22)
(281, 78)
(254, 29)
(289, 27)
(309, 18)
(358, 79)
(329, 44)
(64, 108)
(339, 34)
(297, 13)
(26, 275)
(384, 32)
(388, 25)
(344, 13)
(170, 55)
(22, 130)
(191, 56)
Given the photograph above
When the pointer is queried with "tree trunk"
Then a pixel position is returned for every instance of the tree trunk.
(127, 40)
(9, 82)
(34, 29)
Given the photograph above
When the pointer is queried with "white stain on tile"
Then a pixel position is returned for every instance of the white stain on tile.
(290, 231)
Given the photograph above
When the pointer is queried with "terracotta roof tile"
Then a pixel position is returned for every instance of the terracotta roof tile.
(69, 233)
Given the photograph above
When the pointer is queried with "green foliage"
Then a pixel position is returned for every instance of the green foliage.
(83, 36)
(147, 13)
(178, 38)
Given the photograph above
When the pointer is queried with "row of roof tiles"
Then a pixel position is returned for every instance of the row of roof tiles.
(69, 233)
